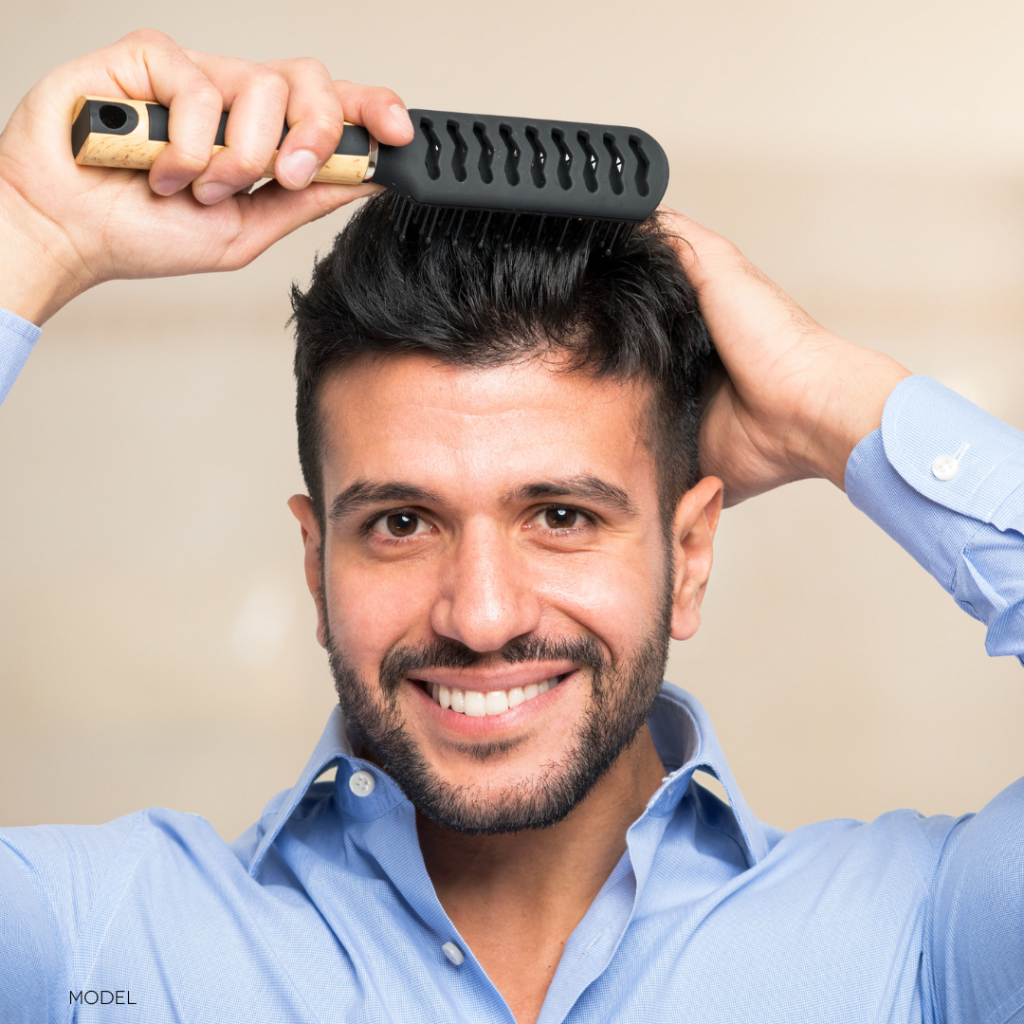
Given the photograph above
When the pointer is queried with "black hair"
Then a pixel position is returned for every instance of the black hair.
(488, 290)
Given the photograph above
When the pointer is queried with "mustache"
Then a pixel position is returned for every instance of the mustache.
(444, 652)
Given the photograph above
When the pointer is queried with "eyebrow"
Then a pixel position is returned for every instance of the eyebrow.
(363, 493)
(589, 487)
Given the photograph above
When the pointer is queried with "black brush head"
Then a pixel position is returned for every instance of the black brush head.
(507, 166)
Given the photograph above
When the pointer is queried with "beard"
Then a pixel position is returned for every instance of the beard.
(620, 700)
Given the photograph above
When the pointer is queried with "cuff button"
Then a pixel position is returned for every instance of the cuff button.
(945, 467)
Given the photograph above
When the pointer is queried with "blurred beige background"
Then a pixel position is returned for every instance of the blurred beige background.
(156, 638)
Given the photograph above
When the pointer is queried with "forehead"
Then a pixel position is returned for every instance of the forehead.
(414, 418)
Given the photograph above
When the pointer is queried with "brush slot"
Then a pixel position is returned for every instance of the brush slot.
(564, 158)
(486, 153)
(590, 161)
(512, 154)
(461, 150)
(113, 117)
(539, 156)
(433, 157)
(617, 164)
(643, 165)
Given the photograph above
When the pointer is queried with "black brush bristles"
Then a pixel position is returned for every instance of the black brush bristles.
(421, 225)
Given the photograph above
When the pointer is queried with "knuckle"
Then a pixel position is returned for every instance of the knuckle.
(270, 80)
(151, 36)
(310, 65)
(191, 162)
(208, 96)
(383, 95)
(325, 127)
(248, 166)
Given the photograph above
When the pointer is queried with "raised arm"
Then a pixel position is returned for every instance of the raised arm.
(941, 476)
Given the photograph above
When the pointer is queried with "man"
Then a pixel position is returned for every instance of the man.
(505, 524)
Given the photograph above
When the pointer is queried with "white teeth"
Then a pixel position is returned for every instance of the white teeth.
(477, 704)
(495, 702)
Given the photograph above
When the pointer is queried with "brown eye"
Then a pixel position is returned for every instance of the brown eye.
(560, 518)
(401, 524)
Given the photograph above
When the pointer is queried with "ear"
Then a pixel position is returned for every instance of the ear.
(302, 509)
(693, 534)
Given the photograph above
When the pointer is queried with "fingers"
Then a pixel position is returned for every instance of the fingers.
(379, 110)
(149, 65)
(315, 121)
(256, 98)
(696, 245)
(259, 98)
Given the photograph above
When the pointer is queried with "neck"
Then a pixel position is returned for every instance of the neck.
(516, 898)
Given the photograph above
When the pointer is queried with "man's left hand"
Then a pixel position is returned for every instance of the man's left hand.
(796, 399)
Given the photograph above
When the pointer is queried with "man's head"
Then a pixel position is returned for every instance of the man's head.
(498, 433)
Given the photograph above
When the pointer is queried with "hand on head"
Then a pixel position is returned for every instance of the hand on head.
(68, 227)
(796, 398)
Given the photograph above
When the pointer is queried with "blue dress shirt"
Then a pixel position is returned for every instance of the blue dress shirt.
(323, 911)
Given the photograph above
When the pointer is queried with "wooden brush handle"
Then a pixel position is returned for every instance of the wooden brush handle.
(106, 133)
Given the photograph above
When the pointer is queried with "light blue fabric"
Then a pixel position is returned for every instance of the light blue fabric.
(323, 911)
(967, 531)
(17, 339)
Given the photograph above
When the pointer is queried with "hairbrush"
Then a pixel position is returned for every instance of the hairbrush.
(456, 164)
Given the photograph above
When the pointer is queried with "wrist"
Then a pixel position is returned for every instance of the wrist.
(35, 275)
(849, 409)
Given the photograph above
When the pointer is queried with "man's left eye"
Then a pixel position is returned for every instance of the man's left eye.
(400, 524)
(561, 518)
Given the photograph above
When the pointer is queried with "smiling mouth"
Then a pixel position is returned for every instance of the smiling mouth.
(478, 704)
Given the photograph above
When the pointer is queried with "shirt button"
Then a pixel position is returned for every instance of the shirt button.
(362, 783)
(453, 953)
(945, 467)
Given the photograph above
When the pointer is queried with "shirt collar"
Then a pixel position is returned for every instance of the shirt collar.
(682, 732)
(684, 736)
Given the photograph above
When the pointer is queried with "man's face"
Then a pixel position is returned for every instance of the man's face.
(496, 581)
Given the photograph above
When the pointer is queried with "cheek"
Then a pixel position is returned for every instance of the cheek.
(372, 607)
(617, 599)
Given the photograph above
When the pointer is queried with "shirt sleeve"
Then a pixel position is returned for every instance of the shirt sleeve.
(945, 479)
(17, 337)
(57, 884)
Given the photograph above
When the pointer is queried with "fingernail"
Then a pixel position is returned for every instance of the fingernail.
(401, 116)
(213, 192)
(299, 167)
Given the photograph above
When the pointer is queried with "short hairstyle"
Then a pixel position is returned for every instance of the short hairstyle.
(488, 290)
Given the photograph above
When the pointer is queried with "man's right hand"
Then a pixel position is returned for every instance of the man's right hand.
(65, 228)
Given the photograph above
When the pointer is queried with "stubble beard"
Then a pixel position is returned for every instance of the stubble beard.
(620, 700)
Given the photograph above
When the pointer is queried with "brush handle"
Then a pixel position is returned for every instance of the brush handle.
(133, 133)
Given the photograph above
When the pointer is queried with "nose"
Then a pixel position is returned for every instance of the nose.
(487, 595)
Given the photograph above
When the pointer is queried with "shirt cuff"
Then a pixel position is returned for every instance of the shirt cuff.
(17, 337)
(934, 506)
